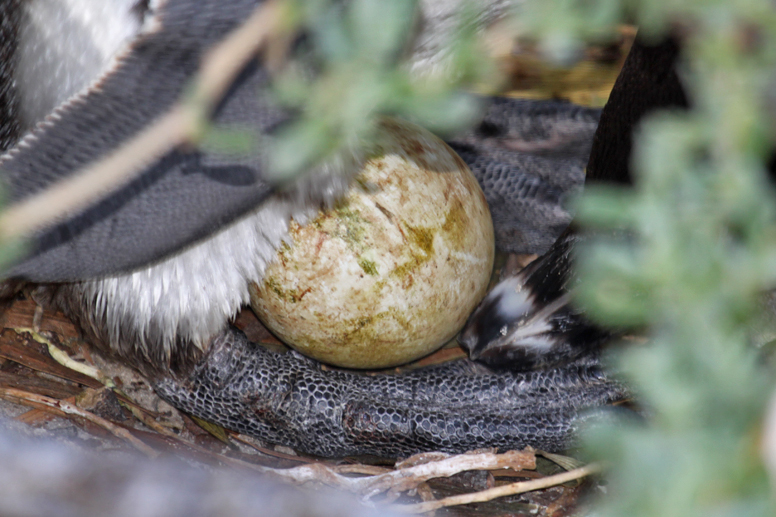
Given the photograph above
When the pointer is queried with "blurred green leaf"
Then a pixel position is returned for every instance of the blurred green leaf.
(230, 141)
(353, 72)
(692, 253)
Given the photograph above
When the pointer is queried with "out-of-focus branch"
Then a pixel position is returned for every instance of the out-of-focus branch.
(180, 125)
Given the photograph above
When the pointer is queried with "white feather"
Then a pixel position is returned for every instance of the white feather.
(194, 294)
(64, 45)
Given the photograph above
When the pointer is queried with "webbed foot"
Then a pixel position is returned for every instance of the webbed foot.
(458, 406)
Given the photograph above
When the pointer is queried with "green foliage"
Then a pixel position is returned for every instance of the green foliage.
(358, 52)
(696, 240)
(698, 253)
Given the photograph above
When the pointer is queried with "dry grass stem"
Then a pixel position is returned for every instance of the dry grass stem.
(358, 468)
(65, 360)
(503, 491)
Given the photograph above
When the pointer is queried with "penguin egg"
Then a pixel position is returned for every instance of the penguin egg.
(392, 271)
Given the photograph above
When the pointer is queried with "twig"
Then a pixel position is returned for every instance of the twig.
(502, 491)
(179, 125)
(411, 477)
(359, 468)
(407, 478)
(396, 481)
(62, 407)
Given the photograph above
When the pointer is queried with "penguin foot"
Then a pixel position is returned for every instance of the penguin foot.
(289, 399)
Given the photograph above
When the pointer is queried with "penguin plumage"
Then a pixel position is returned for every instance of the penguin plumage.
(154, 272)
(531, 320)
(158, 268)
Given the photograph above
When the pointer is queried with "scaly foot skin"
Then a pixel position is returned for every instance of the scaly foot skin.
(459, 406)
(529, 157)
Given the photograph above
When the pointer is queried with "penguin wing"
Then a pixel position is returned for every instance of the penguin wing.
(181, 198)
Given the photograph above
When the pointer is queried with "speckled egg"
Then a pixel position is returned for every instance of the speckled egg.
(393, 270)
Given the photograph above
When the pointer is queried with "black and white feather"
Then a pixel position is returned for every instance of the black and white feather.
(529, 322)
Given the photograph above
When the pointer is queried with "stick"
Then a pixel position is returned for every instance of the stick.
(406, 478)
(62, 407)
(502, 491)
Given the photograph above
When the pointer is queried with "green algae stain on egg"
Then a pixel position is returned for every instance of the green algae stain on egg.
(392, 271)
(368, 266)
